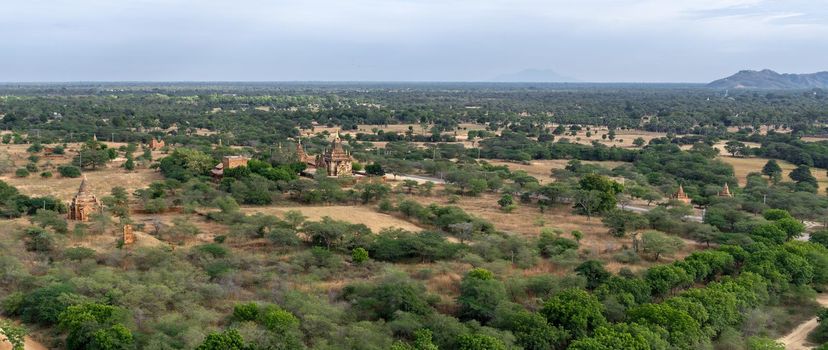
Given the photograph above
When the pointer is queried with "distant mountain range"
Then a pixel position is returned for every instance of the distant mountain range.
(768, 79)
(533, 76)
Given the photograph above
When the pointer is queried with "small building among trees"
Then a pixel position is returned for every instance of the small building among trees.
(84, 203)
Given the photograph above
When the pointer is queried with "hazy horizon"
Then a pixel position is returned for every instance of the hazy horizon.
(594, 41)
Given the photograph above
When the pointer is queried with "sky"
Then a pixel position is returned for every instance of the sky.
(407, 40)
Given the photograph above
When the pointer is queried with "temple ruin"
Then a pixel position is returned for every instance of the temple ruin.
(336, 161)
(84, 203)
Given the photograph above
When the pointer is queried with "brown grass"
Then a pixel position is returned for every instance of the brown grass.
(542, 169)
(743, 166)
(623, 138)
(101, 180)
(376, 221)
(526, 221)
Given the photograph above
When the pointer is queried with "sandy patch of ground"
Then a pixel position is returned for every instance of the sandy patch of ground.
(763, 129)
(814, 138)
(30, 344)
(797, 339)
(376, 221)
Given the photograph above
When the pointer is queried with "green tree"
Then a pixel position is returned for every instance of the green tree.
(294, 218)
(622, 221)
(639, 141)
(95, 326)
(480, 294)
(772, 170)
(802, 174)
(422, 341)
(762, 343)
(793, 228)
(479, 342)
(14, 334)
(374, 169)
(659, 244)
(682, 330)
(91, 155)
(736, 148)
(409, 185)
(359, 255)
(129, 164)
(49, 218)
(228, 340)
(575, 310)
(505, 201)
(69, 171)
(594, 272)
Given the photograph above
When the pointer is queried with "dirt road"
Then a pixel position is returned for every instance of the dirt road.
(796, 340)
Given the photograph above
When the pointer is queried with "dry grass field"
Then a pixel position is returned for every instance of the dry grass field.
(528, 221)
(101, 180)
(623, 138)
(744, 166)
(542, 169)
(376, 221)
(814, 138)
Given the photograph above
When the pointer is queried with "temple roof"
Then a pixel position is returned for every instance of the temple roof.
(337, 152)
(84, 193)
(680, 193)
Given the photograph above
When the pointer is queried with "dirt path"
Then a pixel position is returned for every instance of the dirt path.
(30, 344)
(796, 340)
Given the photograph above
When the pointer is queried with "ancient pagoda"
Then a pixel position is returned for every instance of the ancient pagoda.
(725, 192)
(302, 156)
(156, 144)
(335, 161)
(681, 196)
(84, 203)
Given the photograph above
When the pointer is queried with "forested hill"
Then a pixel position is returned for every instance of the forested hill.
(768, 79)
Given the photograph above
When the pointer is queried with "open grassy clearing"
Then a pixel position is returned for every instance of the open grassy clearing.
(376, 221)
(623, 138)
(528, 221)
(101, 181)
(744, 166)
(542, 169)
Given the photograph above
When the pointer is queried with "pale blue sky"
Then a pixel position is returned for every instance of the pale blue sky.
(412, 40)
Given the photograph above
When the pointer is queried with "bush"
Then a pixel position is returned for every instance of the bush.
(69, 171)
(359, 255)
(46, 174)
(78, 253)
(44, 305)
(246, 312)
(38, 240)
(627, 256)
(22, 172)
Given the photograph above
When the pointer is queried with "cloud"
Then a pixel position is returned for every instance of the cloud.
(605, 40)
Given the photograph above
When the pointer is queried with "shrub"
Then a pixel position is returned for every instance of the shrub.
(69, 171)
(246, 312)
(627, 256)
(46, 174)
(359, 255)
(22, 172)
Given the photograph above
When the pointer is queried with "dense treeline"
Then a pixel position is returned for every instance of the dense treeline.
(262, 113)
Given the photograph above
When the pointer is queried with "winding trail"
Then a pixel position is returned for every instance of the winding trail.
(30, 344)
(796, 340)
